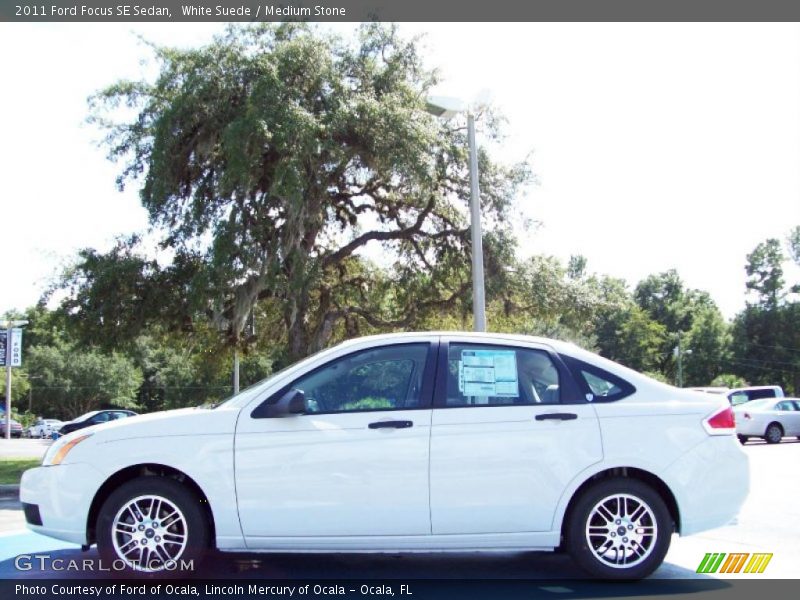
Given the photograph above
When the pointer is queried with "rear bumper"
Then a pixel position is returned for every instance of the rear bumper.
(62, 495)
(710, 483)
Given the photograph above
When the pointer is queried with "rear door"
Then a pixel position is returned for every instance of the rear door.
(789, 416)
(509, 433)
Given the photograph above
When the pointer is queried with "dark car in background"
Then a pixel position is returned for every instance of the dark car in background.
(95, 417)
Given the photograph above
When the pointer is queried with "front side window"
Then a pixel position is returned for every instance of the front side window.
(377, 379)
(499, 376)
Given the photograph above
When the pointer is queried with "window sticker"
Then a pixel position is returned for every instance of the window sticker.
(488, 373)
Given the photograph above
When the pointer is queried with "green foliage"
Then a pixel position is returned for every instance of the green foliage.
(765, 273)
(794, 244)
(269, 161)
(728, 380)
(369, 403)
(707, 347)
(11, 469)
(657, 375)
(71, 381)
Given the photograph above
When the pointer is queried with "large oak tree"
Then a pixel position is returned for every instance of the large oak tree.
(287, 168)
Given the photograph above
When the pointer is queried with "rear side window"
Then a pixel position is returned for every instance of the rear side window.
(598, 385)
(738, 398)
(486, 375)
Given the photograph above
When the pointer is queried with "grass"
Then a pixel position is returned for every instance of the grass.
(11, 468)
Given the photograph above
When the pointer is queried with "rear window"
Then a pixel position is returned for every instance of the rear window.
(598, 385)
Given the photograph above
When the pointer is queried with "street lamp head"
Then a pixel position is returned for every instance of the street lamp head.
(445, 107)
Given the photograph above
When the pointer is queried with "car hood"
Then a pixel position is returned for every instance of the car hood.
(182, 421)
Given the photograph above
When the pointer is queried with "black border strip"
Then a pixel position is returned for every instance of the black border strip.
(398, 10)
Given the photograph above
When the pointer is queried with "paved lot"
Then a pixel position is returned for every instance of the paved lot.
(769, 522)
(23, 448)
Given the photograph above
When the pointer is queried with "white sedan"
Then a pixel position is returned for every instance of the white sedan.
(768, 418)
(44, 428)
(406, 442)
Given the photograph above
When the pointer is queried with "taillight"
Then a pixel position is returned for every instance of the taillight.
(722, 422)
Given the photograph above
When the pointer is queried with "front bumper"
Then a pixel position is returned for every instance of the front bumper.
(710, 484)
(62, 495)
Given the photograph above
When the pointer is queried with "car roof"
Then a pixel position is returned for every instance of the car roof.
(477, 335)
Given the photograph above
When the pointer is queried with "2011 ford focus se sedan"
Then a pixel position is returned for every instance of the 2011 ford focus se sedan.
(407, 442)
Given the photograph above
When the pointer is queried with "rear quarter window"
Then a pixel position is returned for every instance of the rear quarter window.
(598, 385)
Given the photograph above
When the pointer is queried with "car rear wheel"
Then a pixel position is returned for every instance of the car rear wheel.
(773, 434)
(152, 525)
(742, 439)
(619, 529)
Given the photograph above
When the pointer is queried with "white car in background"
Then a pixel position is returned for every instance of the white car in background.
(44, 428)
(407, 442)
(768, 418)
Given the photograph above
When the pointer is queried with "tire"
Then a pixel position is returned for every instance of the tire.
(129, 524)
(742, 439)
(593, 530)
(774, 433)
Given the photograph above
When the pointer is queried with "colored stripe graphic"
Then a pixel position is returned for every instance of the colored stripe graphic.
(758, 563)
(735, 562)
(711, 562)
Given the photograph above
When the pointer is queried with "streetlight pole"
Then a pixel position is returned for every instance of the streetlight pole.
(446, 108)
(679, 352)
(10, 325)
(478, 290)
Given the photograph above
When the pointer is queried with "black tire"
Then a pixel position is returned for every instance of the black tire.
(742, 439)
(774, 433)
(185, 540)
(593, 553)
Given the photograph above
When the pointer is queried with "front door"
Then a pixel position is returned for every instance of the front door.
(355, 464)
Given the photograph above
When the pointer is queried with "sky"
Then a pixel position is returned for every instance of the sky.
(655, 146)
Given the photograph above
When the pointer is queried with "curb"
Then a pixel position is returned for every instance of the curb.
(9, 490)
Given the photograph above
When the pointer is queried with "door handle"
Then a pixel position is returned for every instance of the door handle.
(391, 424)
(556, 417)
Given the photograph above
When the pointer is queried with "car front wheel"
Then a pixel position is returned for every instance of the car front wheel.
(619, 529)
(152, 525)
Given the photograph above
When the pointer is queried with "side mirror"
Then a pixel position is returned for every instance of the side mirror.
(292, 402)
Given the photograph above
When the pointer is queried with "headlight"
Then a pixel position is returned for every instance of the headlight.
(59, 449)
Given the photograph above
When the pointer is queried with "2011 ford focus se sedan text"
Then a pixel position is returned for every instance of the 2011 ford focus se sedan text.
(407, 442)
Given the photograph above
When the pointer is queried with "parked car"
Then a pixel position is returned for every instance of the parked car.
(43, 428)
(747, 394)
(95, 417)
(768, 418)
(16, 428)
(417, 442)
